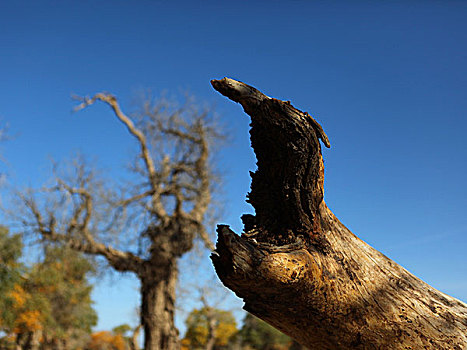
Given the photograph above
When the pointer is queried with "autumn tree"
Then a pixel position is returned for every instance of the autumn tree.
(10, 276)
(129, 334)
(300, 269)
(61, 279)
(145, 225)
(209, 328)
(22, 314)
(48, 304)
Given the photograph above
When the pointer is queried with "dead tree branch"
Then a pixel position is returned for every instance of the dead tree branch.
(300, 269)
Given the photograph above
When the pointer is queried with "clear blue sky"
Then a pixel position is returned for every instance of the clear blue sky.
(387, 80)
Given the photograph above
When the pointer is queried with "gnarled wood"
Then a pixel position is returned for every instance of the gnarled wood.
(300, 269)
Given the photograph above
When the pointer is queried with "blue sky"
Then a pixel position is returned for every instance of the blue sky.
(387, 80)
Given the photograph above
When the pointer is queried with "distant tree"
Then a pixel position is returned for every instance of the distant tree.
(21, 313)
(122, 329)
(202, 291)
(46, 306)
(258, 335)
(131, 335)
(10, 276)
(209, 328)
(61, 279)
(11, 247)
(148, 223)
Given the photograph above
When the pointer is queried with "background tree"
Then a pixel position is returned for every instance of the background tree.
(129, 334)
(10, 275)
(62, 279)
(22, 313)
(47, 305)
(199, 290)
(145, 225)
(257, 334)
(209, 328)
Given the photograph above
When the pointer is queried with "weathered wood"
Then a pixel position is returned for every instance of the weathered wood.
(300, 269)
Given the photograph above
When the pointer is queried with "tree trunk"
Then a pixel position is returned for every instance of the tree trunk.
(32, 340)
(212, 326)
(300, 269)
(19, 341)
(211, 342)
(158, 307)
(134, 344)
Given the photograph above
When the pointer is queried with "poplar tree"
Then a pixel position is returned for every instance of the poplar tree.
(145, 225)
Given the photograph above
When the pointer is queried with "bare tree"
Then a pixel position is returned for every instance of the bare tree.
(300, 269)
(149, 222)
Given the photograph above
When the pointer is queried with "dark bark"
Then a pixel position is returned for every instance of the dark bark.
(158, 307)
(300, 269)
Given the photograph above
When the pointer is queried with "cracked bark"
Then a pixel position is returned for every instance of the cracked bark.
(297, 267)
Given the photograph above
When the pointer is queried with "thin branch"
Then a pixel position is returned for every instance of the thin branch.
(205, 238)
(136, 198)
(112, 102)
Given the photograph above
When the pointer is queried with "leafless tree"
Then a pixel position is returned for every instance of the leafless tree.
(148, 223)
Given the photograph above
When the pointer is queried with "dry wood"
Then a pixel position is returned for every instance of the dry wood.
(300, 269)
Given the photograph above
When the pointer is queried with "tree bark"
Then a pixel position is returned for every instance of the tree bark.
(158, 308)
(32, 340)
(212, 327)
(134, 343)
(300, 269)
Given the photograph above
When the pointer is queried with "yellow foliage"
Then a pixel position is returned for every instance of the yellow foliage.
(19, 296)
(200, 334)
(104, 340)
(26, 319)
(29, 320)
(118, 342)
(186, 344)
(224, 332)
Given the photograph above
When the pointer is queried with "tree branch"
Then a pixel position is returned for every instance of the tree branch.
(138, 134)
(300, 269)
(77, 233)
